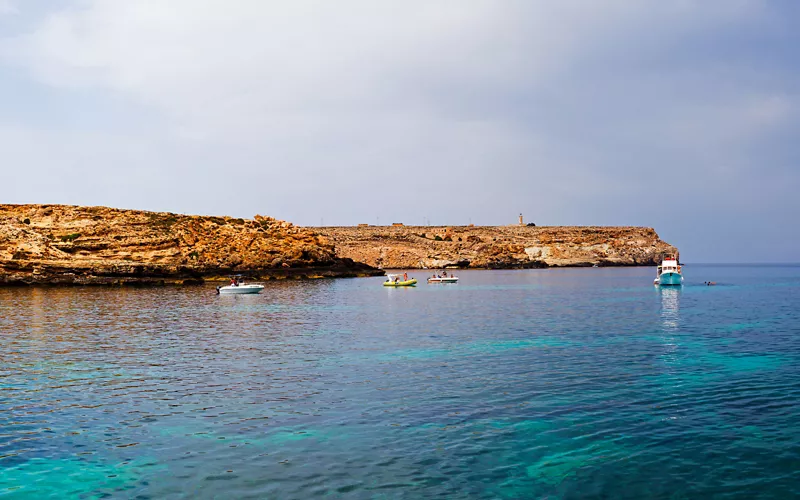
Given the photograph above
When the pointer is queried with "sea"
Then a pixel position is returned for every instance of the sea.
(552, 383)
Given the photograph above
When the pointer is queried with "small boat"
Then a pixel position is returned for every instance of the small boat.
(669, 272)
(395, 280)
(238, 286)
(443, 279)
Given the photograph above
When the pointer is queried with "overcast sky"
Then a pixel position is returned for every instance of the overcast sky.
(680, 115)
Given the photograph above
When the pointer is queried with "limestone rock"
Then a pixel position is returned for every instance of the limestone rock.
(500, 247)
(96, 245)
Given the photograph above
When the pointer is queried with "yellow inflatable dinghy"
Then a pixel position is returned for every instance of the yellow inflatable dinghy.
(392, 282)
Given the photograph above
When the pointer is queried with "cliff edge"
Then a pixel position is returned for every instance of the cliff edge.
(58, 244)
(497, 247)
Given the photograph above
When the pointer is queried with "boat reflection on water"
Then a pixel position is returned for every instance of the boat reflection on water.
(670, 305)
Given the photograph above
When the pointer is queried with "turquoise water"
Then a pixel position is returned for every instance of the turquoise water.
(574, 383)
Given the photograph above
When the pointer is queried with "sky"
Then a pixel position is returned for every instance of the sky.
(682, 116)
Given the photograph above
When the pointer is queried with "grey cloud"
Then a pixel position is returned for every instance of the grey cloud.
(572, 112)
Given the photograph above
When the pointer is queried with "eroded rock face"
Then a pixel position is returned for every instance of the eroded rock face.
(501, 247)
(94, 245)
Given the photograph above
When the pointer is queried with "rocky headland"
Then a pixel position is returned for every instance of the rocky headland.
(497, 247)
(58, 244)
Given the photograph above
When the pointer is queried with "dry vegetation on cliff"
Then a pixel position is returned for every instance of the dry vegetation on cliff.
(497, 247)
(85, 245)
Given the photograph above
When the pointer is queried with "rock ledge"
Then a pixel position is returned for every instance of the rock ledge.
(61, 244)
(497, 247)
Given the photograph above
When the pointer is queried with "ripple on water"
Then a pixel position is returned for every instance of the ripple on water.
(531, 384)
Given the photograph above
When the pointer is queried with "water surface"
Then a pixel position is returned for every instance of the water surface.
(564, 383)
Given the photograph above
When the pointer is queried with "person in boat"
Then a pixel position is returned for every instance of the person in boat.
(233, 282)
(444, 274)
(396, 279)
(405, 276)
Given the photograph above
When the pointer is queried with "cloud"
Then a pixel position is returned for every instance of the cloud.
(7, 7)
(568, 110)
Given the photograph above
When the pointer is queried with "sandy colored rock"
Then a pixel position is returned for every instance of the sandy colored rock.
(497, 247)
(92, 245)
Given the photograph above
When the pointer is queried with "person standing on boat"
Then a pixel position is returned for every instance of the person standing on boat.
(405, 276)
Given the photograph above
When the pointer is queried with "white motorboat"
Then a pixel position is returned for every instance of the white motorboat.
(238, 286)
(443, 279)
(669, 272)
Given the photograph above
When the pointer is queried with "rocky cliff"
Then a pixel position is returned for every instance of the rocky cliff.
(501, 247)
(97, 245)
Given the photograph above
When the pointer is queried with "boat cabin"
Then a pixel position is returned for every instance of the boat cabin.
(669, 265)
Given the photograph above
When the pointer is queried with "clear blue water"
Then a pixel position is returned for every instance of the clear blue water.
(581, 383)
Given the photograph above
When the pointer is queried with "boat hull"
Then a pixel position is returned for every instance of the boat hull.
(411, 282)
(670, 279)
(442, 280)
(240, 290)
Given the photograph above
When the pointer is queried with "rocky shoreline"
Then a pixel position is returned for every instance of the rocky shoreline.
(72, 245)
(497, 247)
